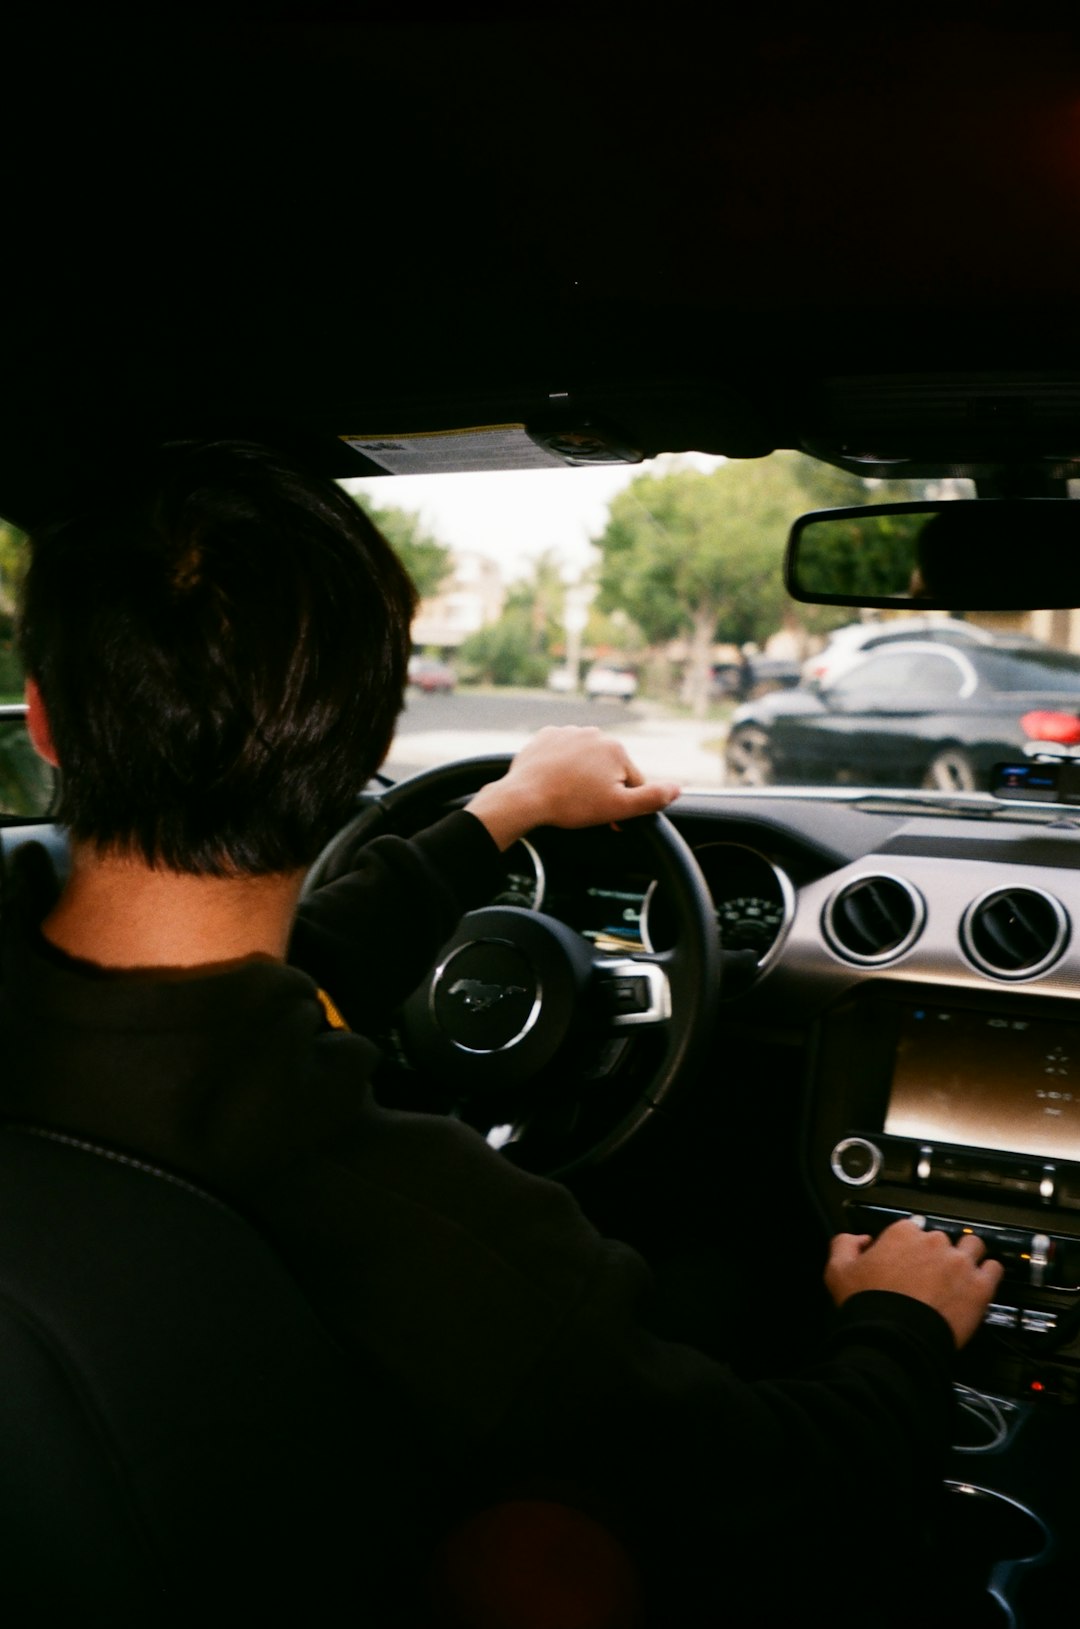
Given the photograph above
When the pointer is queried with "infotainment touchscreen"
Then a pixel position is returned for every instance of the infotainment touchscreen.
(987, 1081)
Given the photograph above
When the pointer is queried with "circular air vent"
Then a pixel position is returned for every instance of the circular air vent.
(874, 919)
(1014, 933)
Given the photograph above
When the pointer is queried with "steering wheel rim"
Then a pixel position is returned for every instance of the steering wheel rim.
(689, 971)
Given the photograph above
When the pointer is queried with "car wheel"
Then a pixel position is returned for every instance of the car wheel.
(748, 759)
(950, 771)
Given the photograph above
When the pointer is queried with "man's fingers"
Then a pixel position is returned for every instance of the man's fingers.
(640, 800)
(846, 1248)
(971, 1245)
(993, 1271)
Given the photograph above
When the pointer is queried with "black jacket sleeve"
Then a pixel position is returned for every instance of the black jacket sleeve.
(369, 937)
(519, 1341)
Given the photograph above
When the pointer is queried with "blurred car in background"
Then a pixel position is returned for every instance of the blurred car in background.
(914, 713)
(561, 680)
(430, 675)
(618, 683)
(754, 676)
(846, 645)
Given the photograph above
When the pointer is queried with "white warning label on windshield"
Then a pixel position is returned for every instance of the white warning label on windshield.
(435, 452)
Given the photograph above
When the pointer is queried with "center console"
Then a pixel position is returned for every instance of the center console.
(966, 1111)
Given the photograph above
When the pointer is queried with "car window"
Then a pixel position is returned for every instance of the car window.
(935, 676)
(26, 783)
(1052, 671)
(13, 558)
(887, 676)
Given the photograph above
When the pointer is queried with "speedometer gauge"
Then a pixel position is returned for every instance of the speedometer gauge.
(754, 899)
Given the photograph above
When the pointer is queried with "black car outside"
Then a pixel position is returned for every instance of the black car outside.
(926, 715)
(753, 676)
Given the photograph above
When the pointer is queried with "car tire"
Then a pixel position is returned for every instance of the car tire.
(950, 770)
(747, 758)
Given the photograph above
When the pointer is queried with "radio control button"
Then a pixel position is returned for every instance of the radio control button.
(856, 1161)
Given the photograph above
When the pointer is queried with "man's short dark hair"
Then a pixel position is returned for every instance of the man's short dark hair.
(221, 648)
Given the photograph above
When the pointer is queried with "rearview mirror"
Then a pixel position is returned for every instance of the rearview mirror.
(1006, 554)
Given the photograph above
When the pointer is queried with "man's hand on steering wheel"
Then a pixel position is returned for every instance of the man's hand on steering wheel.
(546, 1042)
(570, 776)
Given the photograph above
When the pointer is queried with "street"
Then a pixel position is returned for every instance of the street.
(434, 729)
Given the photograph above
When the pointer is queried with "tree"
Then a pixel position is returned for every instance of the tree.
(13, 563)
(685, 553)
(503, 652)
(427, 561)
(689, 553)
(516, 649)
(541, 596)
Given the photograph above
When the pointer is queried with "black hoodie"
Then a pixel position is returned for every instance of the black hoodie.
(510, 1332)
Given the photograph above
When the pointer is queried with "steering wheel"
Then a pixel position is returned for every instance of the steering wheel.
(557, 1053)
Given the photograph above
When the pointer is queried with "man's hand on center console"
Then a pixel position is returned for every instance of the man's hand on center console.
(957, 1280)
(569, 776)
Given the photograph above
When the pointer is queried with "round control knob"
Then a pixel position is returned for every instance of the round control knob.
(855, 1161)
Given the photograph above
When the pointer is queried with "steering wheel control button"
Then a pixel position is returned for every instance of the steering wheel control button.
(486, 996)
(626, 994)
(633, 992)
(856, 1161)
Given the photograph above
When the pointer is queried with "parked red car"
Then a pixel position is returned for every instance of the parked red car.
(429, 675)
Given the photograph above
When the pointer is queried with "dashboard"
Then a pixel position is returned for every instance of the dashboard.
(753, 897)
(924, 957)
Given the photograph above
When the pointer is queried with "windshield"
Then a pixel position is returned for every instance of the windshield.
(649, 600)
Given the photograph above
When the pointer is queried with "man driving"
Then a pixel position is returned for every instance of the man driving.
(216, 658)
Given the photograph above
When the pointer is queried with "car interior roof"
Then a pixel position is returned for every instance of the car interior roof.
(715, 235)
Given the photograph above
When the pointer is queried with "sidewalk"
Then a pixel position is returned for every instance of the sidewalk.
(662, 746)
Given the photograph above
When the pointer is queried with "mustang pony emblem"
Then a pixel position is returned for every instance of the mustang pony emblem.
(479, 997)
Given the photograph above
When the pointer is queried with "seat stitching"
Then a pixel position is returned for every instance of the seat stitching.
(120, 1159)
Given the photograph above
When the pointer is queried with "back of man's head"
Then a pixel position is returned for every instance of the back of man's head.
(221, 649)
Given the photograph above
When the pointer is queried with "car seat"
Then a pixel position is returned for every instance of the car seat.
(179, 1434)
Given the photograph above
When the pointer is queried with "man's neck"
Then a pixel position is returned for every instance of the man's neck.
(121, 913)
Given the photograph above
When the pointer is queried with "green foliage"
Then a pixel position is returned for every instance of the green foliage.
(852, 557)
(427, 561)
(26, 783)
(541, 597)
(14, 557)
(696, 554)
(613, 631)
(505, 653)
(517, 648)
(685, 548)
(690, 554)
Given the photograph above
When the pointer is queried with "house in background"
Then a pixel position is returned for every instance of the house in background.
(469, 598)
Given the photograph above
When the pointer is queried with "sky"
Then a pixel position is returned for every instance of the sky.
(515, 515)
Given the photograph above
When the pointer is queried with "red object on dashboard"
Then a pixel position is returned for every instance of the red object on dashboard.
(1044, 726)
